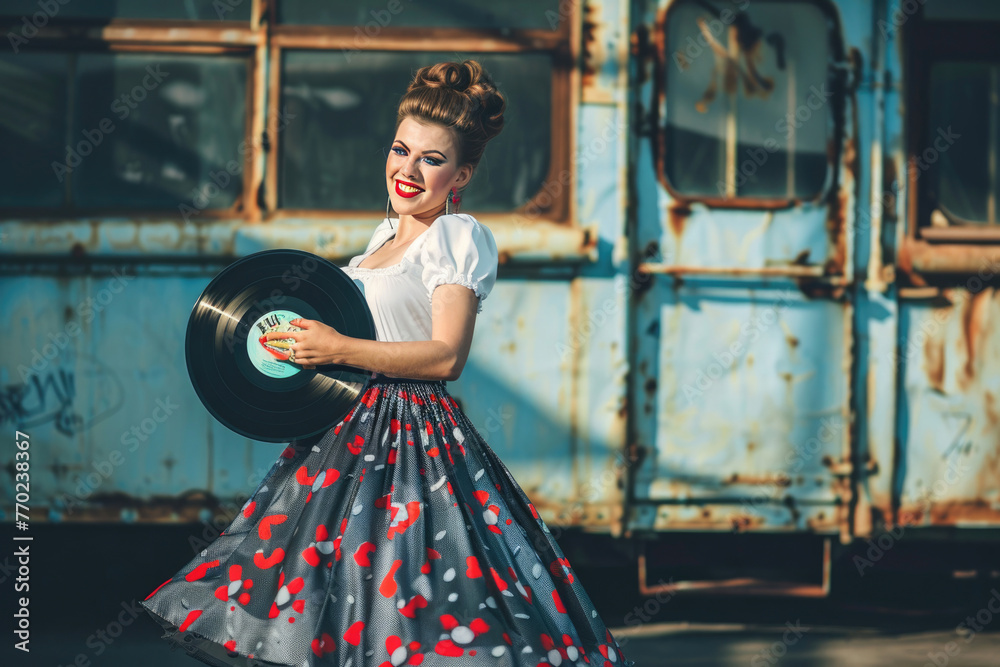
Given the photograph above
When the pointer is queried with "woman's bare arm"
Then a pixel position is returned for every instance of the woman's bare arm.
(453, 313)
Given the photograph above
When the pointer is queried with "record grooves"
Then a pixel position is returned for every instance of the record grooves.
(246, 384)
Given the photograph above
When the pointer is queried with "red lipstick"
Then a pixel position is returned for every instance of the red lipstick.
(404, 193)
(278, 347)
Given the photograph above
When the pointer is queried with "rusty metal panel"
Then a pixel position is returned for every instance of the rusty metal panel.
(878, 229)
(747, 239)
(546, 403)
(517, 239)
(949, 356)
(551, 405)
(101, 387)
(565, 407)
(876, 325)
(746, 392)
(742, 338)
(605, 52)
(121, 435)
(595, 346)
(516, 389)
(602, 189)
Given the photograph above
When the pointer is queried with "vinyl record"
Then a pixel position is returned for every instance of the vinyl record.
(248, 386)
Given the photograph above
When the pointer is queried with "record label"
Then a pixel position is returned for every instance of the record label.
(270, 357)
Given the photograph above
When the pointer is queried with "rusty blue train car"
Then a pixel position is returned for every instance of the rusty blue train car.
(749, 252)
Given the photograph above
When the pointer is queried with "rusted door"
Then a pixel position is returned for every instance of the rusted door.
(947, 467)
(741, 328)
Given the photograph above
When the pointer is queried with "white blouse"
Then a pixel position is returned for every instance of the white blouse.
(455, 249)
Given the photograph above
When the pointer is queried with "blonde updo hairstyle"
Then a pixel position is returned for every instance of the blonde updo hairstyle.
(461, 96)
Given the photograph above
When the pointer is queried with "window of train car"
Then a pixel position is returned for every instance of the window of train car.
(955, 150)
(344, 105)
(508, 14)
(175, 10)
(112, 131)
(343, 67)
(746, 101)
(962, 176)
(955, 10)
(162, 106)
(33, 103)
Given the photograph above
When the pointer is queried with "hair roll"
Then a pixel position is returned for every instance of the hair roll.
(461, 96)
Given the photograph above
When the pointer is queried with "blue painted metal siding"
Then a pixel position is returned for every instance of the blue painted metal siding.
(659, 364)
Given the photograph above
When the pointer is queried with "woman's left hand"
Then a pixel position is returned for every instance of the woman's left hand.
(314, 345)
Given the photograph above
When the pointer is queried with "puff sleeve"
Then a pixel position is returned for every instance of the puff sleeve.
(460, 251)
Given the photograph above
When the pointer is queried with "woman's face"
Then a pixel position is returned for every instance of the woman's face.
(422, 168)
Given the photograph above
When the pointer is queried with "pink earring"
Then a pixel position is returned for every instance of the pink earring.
(454, 199)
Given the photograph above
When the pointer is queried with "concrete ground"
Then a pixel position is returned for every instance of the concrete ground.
(651, 645)
(759, 646)
(84, 577)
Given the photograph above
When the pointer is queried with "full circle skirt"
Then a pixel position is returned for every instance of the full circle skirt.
(397, 537)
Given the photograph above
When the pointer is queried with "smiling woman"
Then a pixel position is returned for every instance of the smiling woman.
(339, 112)
(398, 537)
(423, 167)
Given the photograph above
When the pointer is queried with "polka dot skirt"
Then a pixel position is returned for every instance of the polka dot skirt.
(397, 537)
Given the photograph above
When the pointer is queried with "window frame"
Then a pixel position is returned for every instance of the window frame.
(940, 41)
(168, 37)
(835, 136)
(561, 44)
(262, 41)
